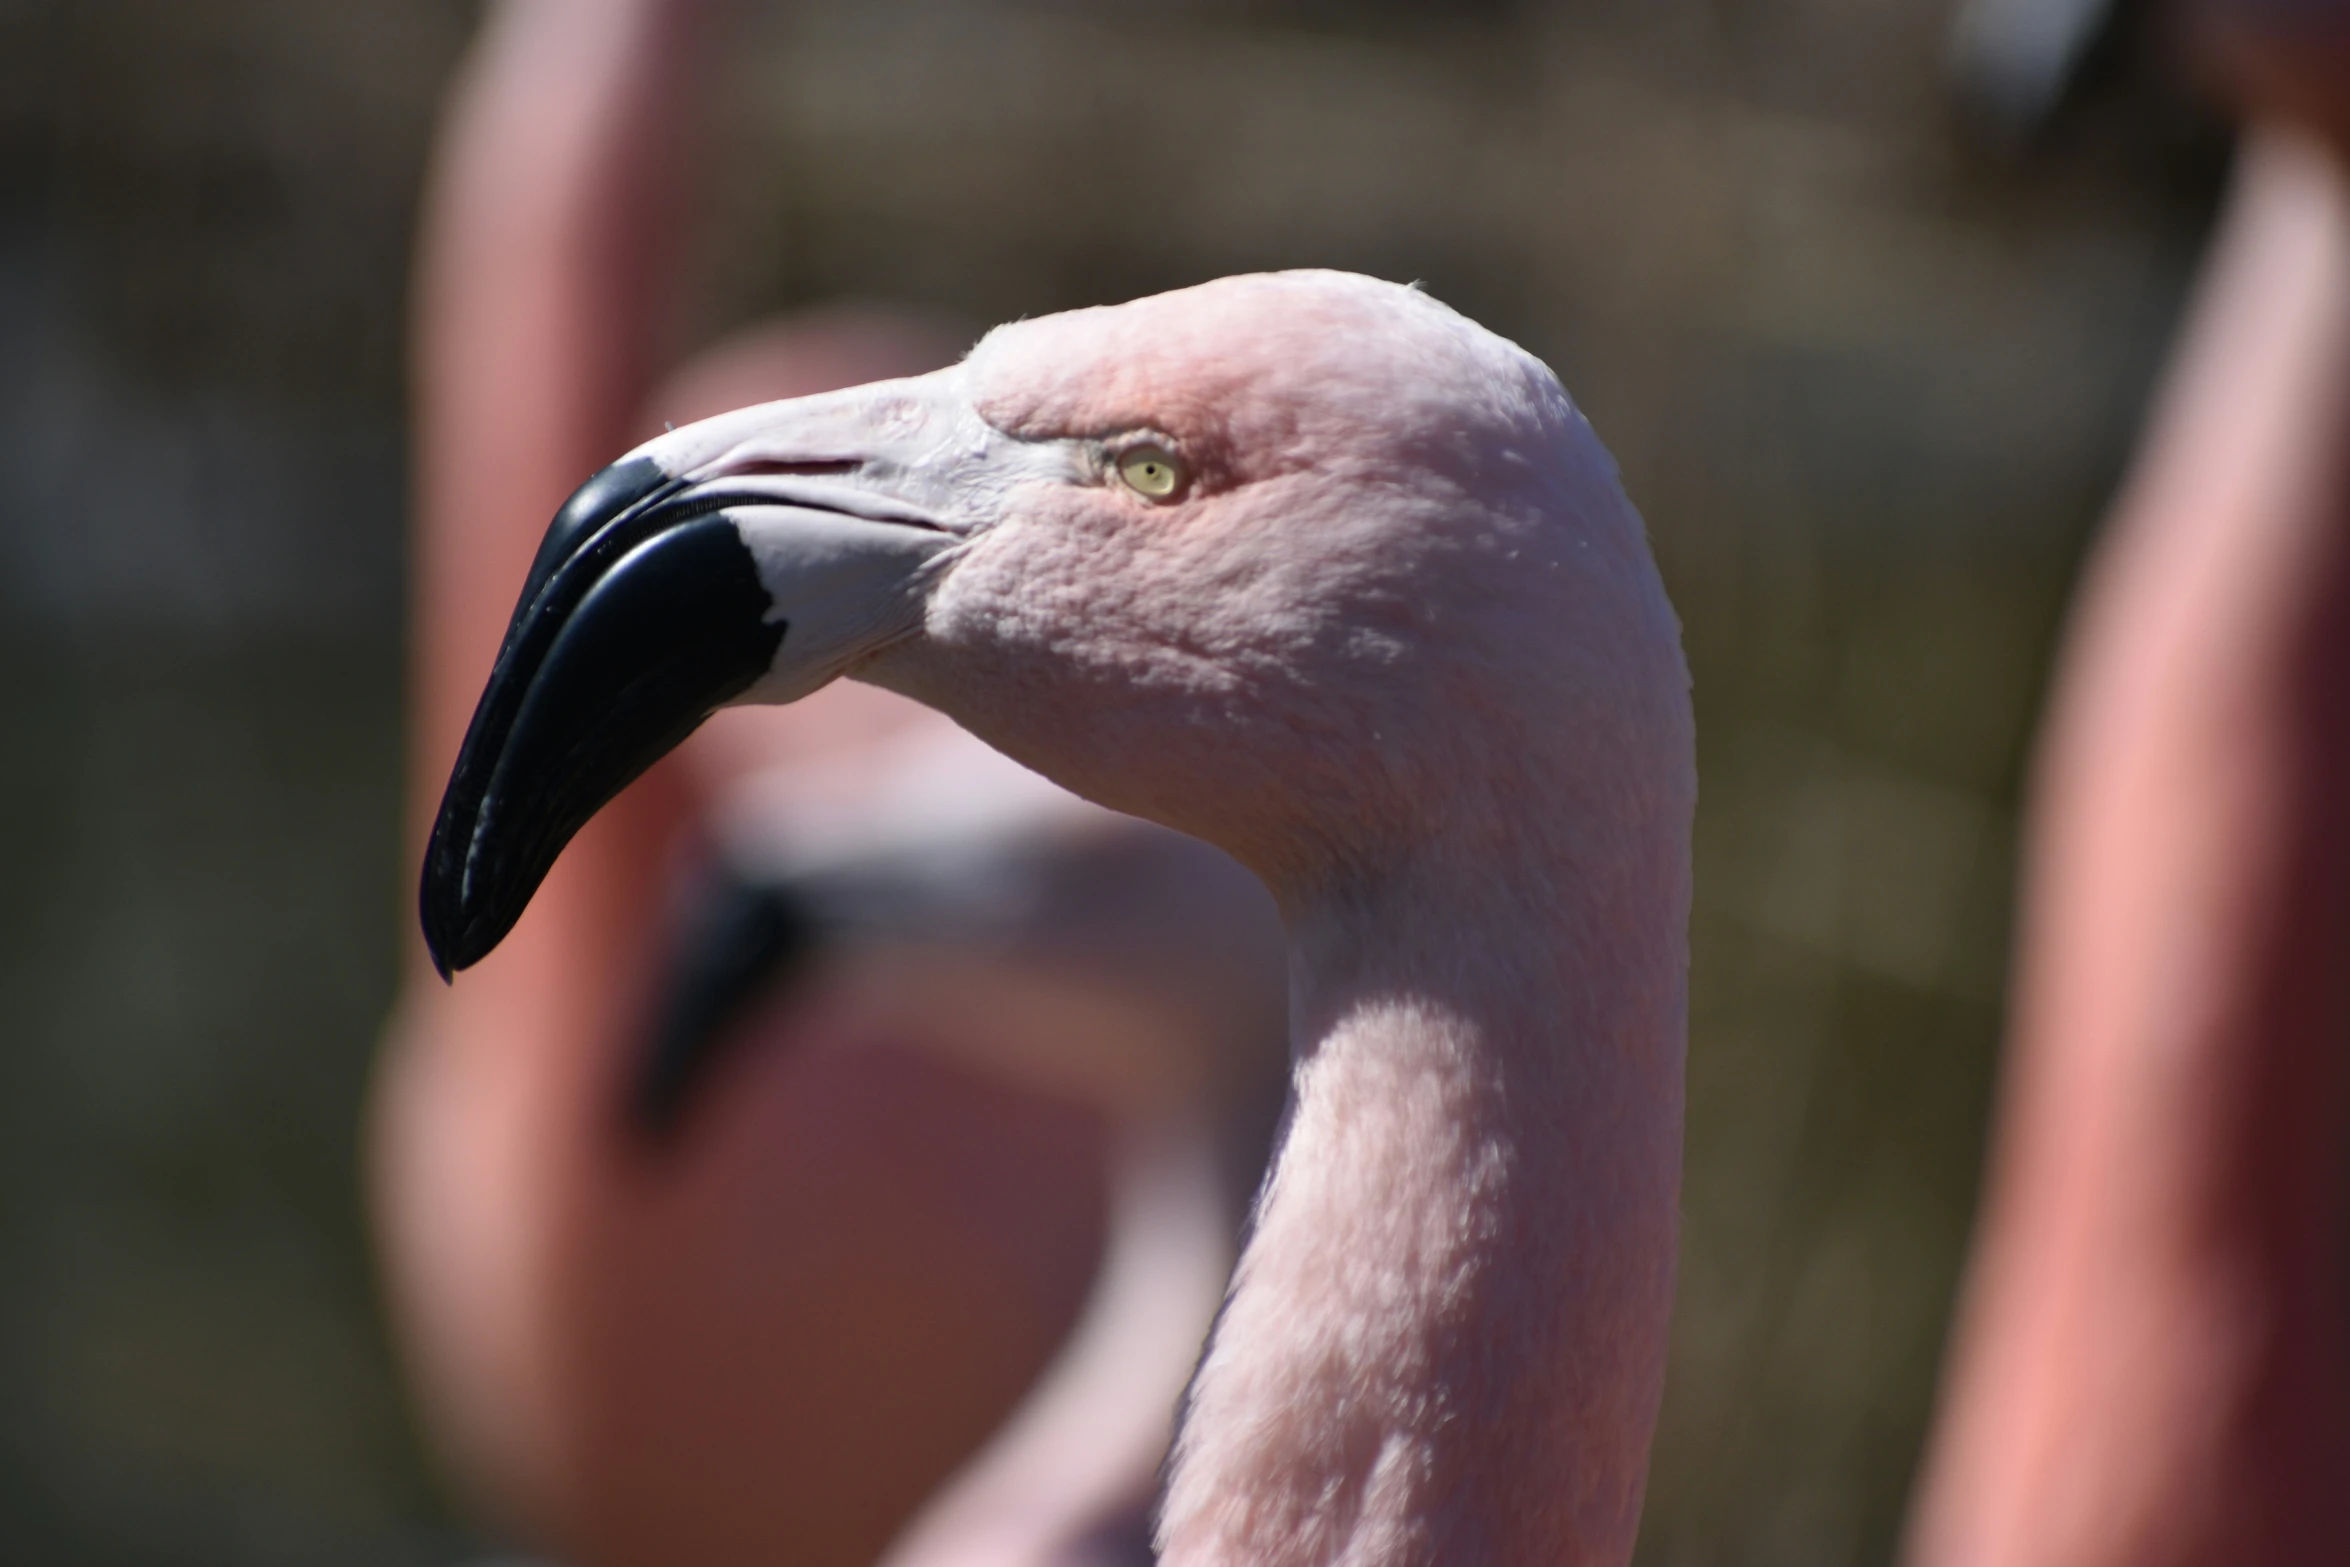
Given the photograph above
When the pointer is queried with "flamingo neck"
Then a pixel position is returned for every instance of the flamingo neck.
(1445, 1340)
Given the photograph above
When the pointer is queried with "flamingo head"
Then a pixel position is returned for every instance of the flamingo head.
(1281, 561)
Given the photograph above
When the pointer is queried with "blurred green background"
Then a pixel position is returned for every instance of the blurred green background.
(1870, 378)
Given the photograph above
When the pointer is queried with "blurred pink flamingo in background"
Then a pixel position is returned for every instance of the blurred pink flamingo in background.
(746, 1263)
(2150, 1362)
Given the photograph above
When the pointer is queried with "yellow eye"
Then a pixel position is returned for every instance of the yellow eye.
(1152, 472)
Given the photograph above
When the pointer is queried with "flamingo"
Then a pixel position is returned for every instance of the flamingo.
(2149, 1364)
(760, 1280)
(1313, 568)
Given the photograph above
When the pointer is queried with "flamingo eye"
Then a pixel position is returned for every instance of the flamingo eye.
(1150, 471)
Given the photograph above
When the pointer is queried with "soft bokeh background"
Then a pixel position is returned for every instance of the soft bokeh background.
(1870, 379)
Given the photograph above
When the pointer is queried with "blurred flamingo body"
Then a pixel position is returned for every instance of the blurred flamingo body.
(769, 1306)
(2149, 1365)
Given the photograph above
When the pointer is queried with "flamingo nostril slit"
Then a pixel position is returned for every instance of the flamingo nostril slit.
(765, 469)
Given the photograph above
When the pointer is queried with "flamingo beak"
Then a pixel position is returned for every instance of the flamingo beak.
(756, 556)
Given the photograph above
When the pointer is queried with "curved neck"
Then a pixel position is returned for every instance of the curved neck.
(1445, 1340)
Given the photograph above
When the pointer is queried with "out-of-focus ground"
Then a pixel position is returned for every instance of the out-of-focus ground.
(1870, 388)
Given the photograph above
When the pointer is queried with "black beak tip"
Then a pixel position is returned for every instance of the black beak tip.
(619, 660)
(466, 915)
(461, 927)
(440, 911)
(456, 939)
(458, 934)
